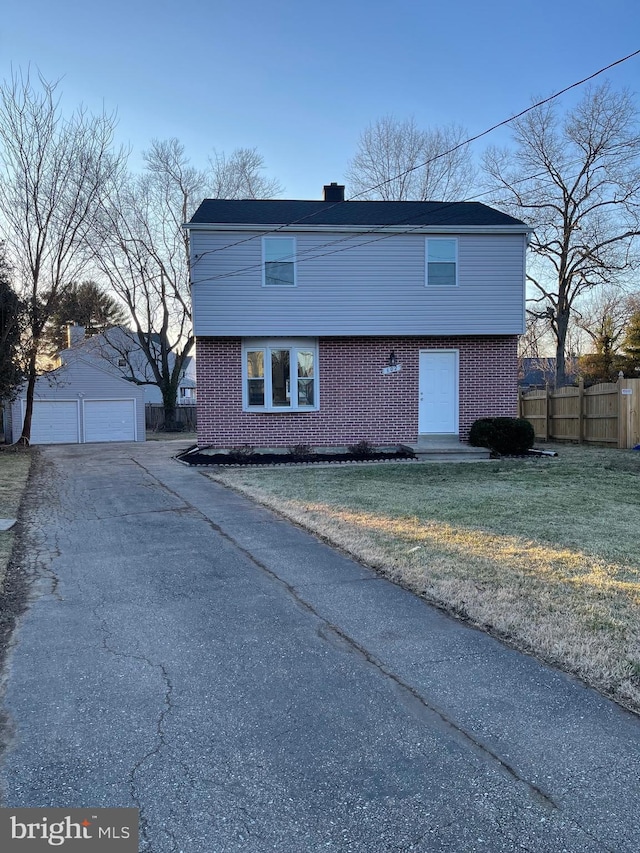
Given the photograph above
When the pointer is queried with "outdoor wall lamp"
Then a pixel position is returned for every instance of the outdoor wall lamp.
(392, 365)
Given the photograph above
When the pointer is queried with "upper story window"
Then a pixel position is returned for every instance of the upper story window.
(442, 262)
(280, 375)
(279, 260)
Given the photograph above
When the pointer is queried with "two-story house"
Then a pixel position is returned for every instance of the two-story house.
(330, 322)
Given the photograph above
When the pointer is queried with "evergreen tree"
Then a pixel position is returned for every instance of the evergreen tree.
(602, 365)
(631, 344)
(86, 305)
(12, 317)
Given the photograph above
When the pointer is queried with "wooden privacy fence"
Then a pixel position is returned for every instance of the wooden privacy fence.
(185, 416)
(608, 413)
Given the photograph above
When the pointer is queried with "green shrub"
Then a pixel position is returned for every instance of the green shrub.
(241, 454)
(298, 451)
(482, 432)
(506, 436)
(362, 449)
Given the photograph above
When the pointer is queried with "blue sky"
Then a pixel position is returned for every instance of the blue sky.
(300, 80)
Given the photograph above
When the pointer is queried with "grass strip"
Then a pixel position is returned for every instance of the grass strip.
(544, 553)
(14, 472)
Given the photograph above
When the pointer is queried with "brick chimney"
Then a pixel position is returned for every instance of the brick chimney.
(334, 192)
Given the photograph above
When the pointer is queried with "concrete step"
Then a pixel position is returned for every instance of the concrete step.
(433, 439)
(452, 454)
(440, 448)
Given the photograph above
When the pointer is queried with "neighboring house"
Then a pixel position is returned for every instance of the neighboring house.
(537, 373)
(329, 322)
(79, 403)
(187, 393)
(117, 350)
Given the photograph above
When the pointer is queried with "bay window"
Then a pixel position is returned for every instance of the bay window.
(280, 375)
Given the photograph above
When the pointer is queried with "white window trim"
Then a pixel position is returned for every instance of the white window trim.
(426, 261)
(266, 345)
(295, 266)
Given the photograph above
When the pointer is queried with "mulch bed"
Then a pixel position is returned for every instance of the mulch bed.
(194, 457)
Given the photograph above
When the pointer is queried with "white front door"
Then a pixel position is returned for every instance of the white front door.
(438, 392)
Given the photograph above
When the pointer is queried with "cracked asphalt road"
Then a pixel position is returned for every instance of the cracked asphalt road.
(250, 689)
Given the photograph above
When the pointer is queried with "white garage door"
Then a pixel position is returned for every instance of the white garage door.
(54, 422)
(109, 420)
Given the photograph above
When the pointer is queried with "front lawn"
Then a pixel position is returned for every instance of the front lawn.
(14, 471)
(544, 553)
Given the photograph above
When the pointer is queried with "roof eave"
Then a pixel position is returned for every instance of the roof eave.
(266, 228)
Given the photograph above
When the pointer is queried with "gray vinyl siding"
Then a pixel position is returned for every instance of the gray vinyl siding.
(357, 284)
(81, 380)
(105, 349)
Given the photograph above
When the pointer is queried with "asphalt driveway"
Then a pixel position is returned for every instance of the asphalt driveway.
(250, 689)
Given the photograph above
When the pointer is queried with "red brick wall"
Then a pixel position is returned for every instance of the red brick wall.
(356, 400)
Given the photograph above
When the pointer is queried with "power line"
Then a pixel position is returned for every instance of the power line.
(375, 230)
(499, 124)
(324, 207)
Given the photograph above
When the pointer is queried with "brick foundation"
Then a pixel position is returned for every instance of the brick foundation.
(356, 400)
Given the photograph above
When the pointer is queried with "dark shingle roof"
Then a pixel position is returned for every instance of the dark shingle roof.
(375, 213)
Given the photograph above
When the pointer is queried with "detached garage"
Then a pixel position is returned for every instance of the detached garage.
(80, 403)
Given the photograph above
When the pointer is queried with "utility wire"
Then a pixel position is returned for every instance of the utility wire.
(324, 208)
(314, 252)
(500, 124)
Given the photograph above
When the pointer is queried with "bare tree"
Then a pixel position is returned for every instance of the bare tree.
(143, 252)
(239, 175)
(533, 348)
(397, 161)
(576, 180)
(604, 315)
(53, 172)
(533, 343)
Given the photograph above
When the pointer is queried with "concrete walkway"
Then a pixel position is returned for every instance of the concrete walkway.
(250, 689)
